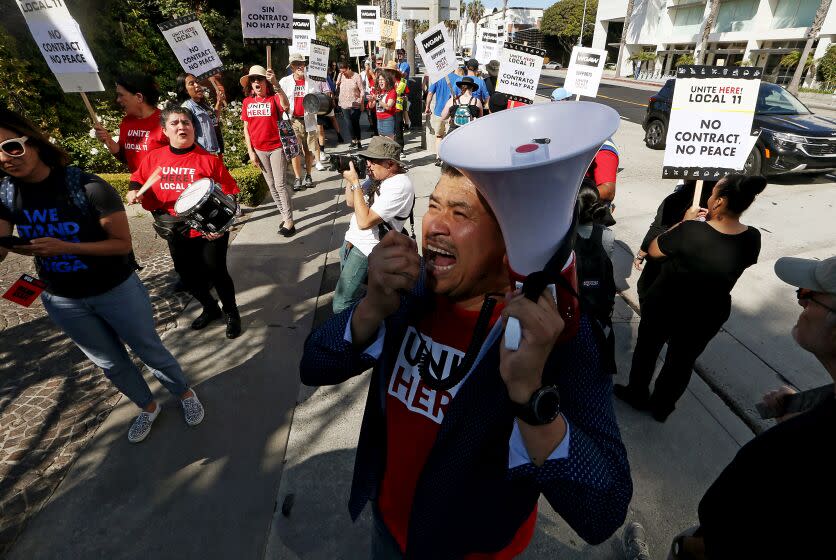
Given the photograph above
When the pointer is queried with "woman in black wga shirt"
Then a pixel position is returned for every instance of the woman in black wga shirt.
(690, 299)
(77, 230)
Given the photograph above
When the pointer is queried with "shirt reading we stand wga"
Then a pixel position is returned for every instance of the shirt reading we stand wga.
(45, 210)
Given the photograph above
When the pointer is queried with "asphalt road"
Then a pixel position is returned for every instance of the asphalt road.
(630, 103)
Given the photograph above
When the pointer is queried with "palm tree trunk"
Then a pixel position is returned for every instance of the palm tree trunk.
(699, 57)
(623, 41)
(824, 6)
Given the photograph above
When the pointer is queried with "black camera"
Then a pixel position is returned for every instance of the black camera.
(340, 163)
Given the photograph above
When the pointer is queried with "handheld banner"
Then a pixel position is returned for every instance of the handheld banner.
(25, 290)
(62, 45)
(304, 31)
(488, 47)
(266, 21)
(318, 61)
(355, 45)
(368, 22)
(390, 30)
(519, 72)
(191, 46)
(436, 50)
(586, 66)
(710, 128)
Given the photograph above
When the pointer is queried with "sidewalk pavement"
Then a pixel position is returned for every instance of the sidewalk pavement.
(217, 491)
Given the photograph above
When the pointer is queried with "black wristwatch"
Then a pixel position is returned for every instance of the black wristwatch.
(541, 409)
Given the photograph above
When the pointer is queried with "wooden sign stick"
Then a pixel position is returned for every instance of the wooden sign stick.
(697, 194)
(269, 57)
(155, 176)
(90, 110)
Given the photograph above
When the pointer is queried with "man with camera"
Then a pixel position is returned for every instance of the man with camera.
(382, 202)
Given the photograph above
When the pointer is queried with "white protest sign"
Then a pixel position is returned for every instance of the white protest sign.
(191, 46)
(586, 66)
(488, 46)
(390, 30)
(266, 20)
(368, 22)
(304, 31)
(710, 127)
(355, 45)
(318, 61)
(519, 72)
(436, 50)
(62, 45)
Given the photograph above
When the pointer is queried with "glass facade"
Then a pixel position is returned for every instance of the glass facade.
(736, 15)
(687, 19)
(794, 13)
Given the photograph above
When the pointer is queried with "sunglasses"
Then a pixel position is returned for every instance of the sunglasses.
(256, 78)
(805, 294)
(14, 147)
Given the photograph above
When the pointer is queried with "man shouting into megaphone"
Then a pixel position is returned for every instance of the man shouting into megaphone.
(460, 435)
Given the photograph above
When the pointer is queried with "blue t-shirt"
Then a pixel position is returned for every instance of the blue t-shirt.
(403, 67)
(442, 92)
(482, 93)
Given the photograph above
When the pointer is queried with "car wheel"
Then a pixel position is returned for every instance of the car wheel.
(654, 136)
(754, 163)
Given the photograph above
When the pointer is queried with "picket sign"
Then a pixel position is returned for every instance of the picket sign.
(519, 72)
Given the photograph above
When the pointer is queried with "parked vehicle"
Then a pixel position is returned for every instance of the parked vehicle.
(792, 139)
(552, 66)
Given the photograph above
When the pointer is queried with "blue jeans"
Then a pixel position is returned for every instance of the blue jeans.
(99, 325)
(354, 268)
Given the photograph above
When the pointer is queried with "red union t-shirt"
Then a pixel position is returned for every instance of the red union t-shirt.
(414, 413)
(138, 137)
(299, 92)
(262, 116)
(178, 172)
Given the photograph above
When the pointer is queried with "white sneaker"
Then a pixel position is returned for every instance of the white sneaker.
(192, 410)
(635, 542)
(142, 425)
(323, 156)
(320, 167)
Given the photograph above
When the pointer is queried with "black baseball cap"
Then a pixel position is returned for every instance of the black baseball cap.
(472, 64)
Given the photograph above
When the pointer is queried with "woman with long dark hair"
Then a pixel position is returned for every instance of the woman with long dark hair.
(75, 226)
(199, 258)
(385, 105)
(139, 131)
(690, 299)
(192, 96)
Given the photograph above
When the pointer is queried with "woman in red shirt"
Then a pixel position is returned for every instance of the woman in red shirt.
(386, 97)
(140, 131)
(264, 103)
(199, 259)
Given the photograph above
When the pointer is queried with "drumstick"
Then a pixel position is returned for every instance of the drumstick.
(155, 176)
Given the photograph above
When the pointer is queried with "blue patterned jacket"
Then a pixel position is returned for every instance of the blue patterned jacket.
(467, 499)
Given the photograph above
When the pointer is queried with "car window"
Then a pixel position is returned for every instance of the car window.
(775, 100)
(667, 90)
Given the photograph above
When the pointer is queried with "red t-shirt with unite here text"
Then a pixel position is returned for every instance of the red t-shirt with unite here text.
(414, 413)
(139, 137)
(178, 172)
(262, 116)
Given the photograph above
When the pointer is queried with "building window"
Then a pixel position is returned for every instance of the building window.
(736, 15)
(794, 13)
(688, 20)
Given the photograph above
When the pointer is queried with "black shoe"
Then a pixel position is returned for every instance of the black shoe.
(208, 315)
(297, 185)
(307, 182)
(233, 324)
(660, 412)
(287, 232)
(438, 162)
(180, 286)
(340, 138)
(626, 394)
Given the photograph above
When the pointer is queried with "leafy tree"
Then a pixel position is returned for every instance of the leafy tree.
(684, 60)
(563, 21)
(827, 67)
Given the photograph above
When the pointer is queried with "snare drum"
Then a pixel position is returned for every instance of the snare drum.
(205, 207)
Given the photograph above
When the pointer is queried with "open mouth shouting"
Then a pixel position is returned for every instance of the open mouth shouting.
(439, 259)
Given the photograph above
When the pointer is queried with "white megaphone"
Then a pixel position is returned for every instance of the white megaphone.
(529, 163)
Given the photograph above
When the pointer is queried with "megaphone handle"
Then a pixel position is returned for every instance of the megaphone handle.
(513, 331)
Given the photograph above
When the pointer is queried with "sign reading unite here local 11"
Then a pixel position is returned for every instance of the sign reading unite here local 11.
(710, 127)
(519, 72)
(191, 46)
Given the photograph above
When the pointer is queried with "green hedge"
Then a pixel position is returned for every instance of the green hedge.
(249, 179)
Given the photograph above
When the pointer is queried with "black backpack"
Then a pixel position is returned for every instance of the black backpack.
(596, 286)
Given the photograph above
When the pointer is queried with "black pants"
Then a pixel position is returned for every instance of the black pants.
(201, 264)
(399, 127)
(352, 118)
(372, 121)
(687, 335)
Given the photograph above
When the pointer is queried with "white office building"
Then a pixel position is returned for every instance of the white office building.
(758, 31)
(517, 20)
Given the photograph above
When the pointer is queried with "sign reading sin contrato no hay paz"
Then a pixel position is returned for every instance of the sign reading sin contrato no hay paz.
(519, 72)
(62, 45)
(436, 50)
(586, 66)
(266, 20)
(710, 128)
(368, 22)
(191, 46)
(304, 31)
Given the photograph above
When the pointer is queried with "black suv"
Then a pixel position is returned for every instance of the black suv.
(792, 138)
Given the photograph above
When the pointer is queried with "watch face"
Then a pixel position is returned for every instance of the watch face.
(547, 406)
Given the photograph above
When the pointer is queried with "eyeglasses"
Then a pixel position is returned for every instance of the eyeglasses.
(256, 78)
(805, 294)
(14, 147)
